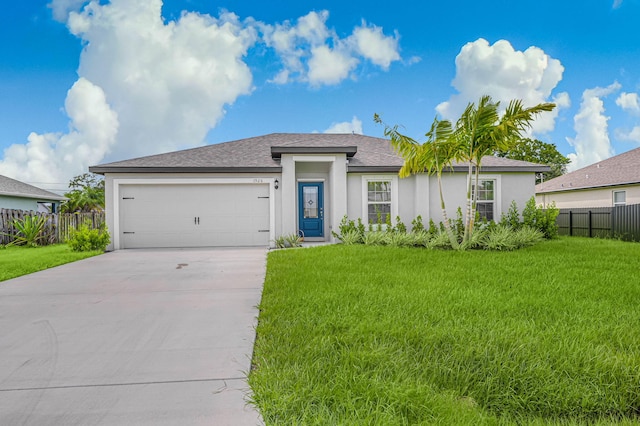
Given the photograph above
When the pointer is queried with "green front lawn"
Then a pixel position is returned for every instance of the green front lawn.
(18, 261)
(398, 336)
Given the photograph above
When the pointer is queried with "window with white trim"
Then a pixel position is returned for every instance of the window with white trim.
(378, 201)
(619, 198)
(379, 198)
(485, 202)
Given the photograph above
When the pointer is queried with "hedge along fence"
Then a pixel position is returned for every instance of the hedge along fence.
(58, 228)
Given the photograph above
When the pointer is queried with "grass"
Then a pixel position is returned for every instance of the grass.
(18, 261)
(362, 335)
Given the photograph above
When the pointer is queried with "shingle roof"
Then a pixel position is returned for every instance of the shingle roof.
(255, 155)
(15, 188)
(621, 169)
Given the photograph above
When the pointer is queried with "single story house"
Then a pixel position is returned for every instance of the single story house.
(611, 182)
(248, 192)
(16, 195)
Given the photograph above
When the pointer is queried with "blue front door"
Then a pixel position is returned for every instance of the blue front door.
(311, 209)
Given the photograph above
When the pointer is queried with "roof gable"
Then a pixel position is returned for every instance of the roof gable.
(622, 169)
(15, 188)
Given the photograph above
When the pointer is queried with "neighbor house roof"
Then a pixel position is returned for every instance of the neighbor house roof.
(263, 153)
(623, 169)
(15, 188)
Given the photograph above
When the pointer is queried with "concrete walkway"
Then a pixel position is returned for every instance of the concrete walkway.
(133, 337)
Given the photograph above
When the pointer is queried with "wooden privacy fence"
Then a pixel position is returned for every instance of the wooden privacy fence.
(57, 229)
(604, 222)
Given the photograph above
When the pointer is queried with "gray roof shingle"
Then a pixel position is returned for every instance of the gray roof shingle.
(15, 188)
(255, 155)
(622, 169)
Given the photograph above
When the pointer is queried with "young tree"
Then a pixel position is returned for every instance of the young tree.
(86, 194)
(536, 151)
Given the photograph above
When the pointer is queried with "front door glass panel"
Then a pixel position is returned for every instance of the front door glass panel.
(310, 200)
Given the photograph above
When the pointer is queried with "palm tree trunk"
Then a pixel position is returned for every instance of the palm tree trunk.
(467, 222)
(453, 239)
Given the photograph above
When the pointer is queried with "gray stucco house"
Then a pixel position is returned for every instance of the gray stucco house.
(248, 192)
(18, 195)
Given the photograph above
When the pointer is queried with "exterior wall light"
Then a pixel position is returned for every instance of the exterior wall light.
(276, 184)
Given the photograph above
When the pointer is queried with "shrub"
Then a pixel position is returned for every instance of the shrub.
(541, 219)
(287, 241)
(87, 239)
(400, 227)
(501, 238)
(351, 237)
(376, 238)
(347, 226)
(433, 229)
(439, 240)
(421, 238)
(31, 231)
(417, 225)
(398, 239)
(458, 225)
(527, 236)
(512, 218)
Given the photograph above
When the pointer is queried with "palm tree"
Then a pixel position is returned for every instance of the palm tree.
(481, 131)
(436, 153)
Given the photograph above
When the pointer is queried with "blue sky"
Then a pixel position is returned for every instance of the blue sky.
(83, 83)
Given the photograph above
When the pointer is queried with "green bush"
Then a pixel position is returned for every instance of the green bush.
(375, 238)
(399, 239)
(348, 227)
(87, 239)
(439, 240)
(541, 219)
(528, 236)
(417, 225)
(501, 238)
(31, 231)
(287, 241)
(512, 218)
(401, 228)
(351, 237)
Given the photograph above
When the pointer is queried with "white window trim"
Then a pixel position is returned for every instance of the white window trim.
(614, 198)
(497, 193)
(365, 195)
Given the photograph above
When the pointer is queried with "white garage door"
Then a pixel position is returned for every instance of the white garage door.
(202, 215)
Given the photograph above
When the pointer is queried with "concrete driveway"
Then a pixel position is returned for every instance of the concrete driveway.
(158, 337)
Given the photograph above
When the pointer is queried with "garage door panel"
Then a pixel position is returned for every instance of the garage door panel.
(194, 215)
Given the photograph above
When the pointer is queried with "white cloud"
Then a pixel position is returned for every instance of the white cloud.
(58, 157)
(505, 74)
(62, 8)
(148, 85)
(329, 66)
(169, 82)
(631, 136)
(375, 46)
(591, 142)
(313, 53)
(629, 102)
(617, 3)
(354, 126)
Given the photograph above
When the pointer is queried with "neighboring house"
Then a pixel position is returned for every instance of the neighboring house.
(250, 191)
(18, 195)
(612, 182)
